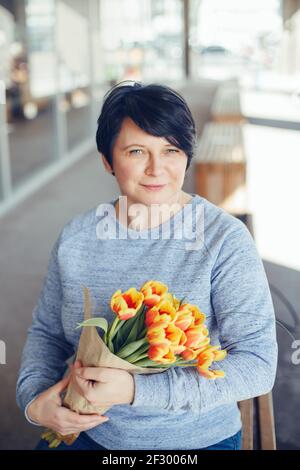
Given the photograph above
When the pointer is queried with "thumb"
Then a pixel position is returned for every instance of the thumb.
(61, 385)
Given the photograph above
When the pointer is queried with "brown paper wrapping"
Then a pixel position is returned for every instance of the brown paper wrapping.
(93, 352)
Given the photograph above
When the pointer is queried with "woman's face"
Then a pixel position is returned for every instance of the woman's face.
(149, 170)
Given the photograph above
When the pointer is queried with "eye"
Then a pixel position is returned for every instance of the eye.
(133, 152)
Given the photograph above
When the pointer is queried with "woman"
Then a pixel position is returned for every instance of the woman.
(146, 137)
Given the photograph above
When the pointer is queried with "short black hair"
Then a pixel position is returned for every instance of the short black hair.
(157, 109)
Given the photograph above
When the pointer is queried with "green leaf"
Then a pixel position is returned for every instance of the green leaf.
(143, 333)
(183, 363)
(129, 331)
(118, 340)
(142, 329)
(133, 333)
(138, 358)
(137, 354)
(131, 348)
(119, 327)
(126, 327)
(113, 327)
(110, 345)
(147, 362)
(96, 321)
(122, 334)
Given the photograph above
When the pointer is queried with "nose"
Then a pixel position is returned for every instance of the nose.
(154, 165)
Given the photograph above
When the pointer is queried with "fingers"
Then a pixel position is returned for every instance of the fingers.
(86, 427)
(77, 364)
(99, 374)
(92, 391)
(61, 385)
(82, 386)
(69, 422)
(74, 419)
(77, 430)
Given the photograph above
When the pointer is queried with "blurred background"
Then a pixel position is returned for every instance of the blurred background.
(237, 63)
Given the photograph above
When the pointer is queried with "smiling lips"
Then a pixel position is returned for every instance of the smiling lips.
(153, 187)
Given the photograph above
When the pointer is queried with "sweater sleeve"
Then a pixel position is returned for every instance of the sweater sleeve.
(242, 304)
(46, 350)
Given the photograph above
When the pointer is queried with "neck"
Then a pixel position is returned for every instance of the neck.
(152, 215)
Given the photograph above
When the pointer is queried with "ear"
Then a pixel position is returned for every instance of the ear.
(106, 164)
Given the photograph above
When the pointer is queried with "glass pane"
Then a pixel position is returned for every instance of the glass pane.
(100, 85)
(4, 158)
(28, 64)
(236, 39)
(74, 67)
(147, 40)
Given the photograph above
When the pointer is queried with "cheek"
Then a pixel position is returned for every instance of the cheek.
(129, 172)
(177, 169)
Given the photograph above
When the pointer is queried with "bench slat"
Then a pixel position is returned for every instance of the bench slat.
(246, 409)
(266, 422)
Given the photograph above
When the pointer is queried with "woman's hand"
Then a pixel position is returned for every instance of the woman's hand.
(48, 411)
(103, 386)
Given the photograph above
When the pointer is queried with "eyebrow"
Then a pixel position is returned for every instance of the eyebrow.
(140, 145)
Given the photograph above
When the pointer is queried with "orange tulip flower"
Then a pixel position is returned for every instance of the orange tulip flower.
(172, 299)
(184, 319)
(153, 292)
(163, 310)
(161, 353)
(212, 373)
(156, 333)
(205, 360)
(198, 316)
(195, 335)
(126, 305)
(190, 354)
(177, 338)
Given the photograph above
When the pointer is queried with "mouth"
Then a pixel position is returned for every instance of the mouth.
(153, 187)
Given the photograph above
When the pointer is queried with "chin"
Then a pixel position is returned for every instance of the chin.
(159, 197)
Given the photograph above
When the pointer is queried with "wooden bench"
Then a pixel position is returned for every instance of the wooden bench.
(258, 427)
(258, 423)
(220, 166)
(226, 106)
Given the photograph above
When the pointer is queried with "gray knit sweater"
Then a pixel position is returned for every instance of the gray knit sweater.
(219, 270)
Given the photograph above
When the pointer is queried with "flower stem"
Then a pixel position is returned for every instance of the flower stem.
(142, 334)
(111, 330)
(181, 364)
(143, 356)
(149, 362)
(110, 334)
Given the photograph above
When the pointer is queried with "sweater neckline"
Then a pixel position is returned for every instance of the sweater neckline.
(172, 221)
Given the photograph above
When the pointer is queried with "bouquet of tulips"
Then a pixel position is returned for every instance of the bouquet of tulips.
(152, 331)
